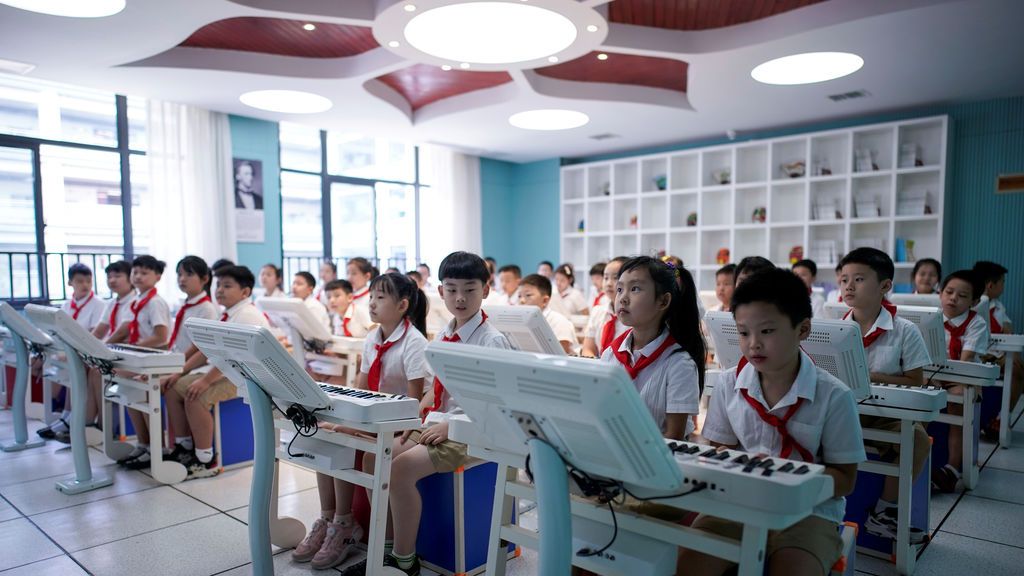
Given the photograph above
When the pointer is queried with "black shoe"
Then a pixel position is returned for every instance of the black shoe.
(197, 469)
(180, 454)
(64, 437)
(883, 524)
(46, 433)
(140, 462)
(414, 570)
(357, 569)
(945, 479)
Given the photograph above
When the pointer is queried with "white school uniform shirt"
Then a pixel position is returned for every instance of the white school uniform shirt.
(359, 322)
(571, 302)
(899, 349)
(124, 311)
(817, 304)
(669, 385)
(826, 424)
(277, 293)
(403, 362)
(976, 336)
(476, 332)
(155, 313)
(244, 312)
(90, 311)
(599, 315)
(205, 311)
(361, 299)
(318, 310)
(996, 309)
(562, 327)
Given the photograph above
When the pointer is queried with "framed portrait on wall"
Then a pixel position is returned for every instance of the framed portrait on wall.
(248, 178)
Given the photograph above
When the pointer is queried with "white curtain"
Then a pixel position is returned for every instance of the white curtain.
(190, 187)
(450, 216)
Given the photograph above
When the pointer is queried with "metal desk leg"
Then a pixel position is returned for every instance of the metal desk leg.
(554, 518)
(166, 471)
(1006, 410)
(501, 511)
(752, 550)
(83, 480)
(970, 472)
(113, 447)
(22, 382)
(264, 460)
(905, 555)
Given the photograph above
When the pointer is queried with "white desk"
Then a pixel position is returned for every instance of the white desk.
(1011, 345)
(973, 377)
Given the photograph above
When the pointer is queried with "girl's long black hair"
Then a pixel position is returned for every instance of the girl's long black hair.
(402, 287)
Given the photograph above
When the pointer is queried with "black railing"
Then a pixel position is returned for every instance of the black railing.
(311, 264)
(43, 278)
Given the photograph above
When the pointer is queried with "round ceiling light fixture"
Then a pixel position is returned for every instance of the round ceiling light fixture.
(491, 34)
(808, 68)
(548, 119)
(286, 101)
(70, 8)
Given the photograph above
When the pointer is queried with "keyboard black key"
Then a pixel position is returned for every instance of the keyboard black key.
(709, 453)
(692, 449)
(767, 463)
(755, 461)
(802, 470)
(766, 472)
(673, 446)
(749, 467)
(786, 467)
(741, 459)
(723, 455)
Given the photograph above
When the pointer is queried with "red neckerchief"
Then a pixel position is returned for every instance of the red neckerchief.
(345, 320)
(136, 307)
(788, 442)
(626, 359)
(956, 335)
(877, 333)
(224, 317)
(597, 300)
(358, 296)
(438, 387)
(181, 316)
(112, 322)
(993, 325)
(76, 309)
(607, 334)
(378, 361)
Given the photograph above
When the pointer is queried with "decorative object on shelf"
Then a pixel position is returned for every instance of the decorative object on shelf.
(821, 167)
(691, 219)
(606, 189)
(910, 156)
(661, 182)
(913, 202)
(796, 254)
(723, 176)
(722, 258)
(900, 250)
(866, 207)
(827, 209)
(662, 253)
(579, 227)
(909, 244)
(794, 169)
(759, 216)
(864, 160)
(824, 252)
(877, 243)
(632, 221)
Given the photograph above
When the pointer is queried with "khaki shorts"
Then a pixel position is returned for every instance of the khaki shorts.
(922, 442)
(219, 391)
(447, 456)
(815, 535)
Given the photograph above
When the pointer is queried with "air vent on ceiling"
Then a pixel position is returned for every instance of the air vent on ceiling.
(605, 136)
(849, 95)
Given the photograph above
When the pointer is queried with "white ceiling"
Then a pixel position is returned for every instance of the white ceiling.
(916, 52)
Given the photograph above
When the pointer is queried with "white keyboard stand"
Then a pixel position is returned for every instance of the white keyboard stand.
(266, 526)
(23, 339)
(1011, 345)
(306, 336)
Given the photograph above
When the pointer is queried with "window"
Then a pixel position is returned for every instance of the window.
(396, 225)
(55, 112)
(300, 147)
(17, 201)
(301, 215)
(81, 200)
(352, 220)
(357, 156)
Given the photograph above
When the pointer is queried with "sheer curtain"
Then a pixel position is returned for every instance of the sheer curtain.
(191, 187)
(450, 209)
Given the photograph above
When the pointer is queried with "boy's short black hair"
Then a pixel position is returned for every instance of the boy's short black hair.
(597, 269)
(839, 267)
(729, 269)
(977, 286)
(78, 268)
(220, 263)
(988, 271)
(515, 270)
(339, 284)
(464, 266)
(415, 276)
(873, 258)
(240, 274)
(149, 263)
(546, 263)
(541, 283)
(781, 288)
(809, 264)
(753, 265)
(309, 278)
(119, 267)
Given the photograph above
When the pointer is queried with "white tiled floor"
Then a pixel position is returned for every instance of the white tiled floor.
(138, 526)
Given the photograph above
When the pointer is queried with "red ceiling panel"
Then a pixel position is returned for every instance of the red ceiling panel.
(283, 37)
(622, 69)
(422, 84)
(698, 14)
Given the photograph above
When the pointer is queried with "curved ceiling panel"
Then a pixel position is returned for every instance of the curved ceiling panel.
(622, 69)
(283, 37)
(697, 14)
(422, 84)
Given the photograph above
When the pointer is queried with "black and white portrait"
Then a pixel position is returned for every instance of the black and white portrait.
(248, 184)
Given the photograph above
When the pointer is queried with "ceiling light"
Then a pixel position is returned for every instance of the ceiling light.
(393, 44)
(15, 67)
(70, 8)
(287, 101)
(552, 59)
(446, 67)
(602, 56)
(410, 7)
(807, 68)
(309, 27)
(464, 65)
(548, 119)
(591, 28)
(490, 32)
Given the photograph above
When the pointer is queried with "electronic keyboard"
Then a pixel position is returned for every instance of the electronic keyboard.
(773, 485)
(1006, 342)
(903, 397)
(357, 405)
(979, 370)
(345, 345)
(131, 357)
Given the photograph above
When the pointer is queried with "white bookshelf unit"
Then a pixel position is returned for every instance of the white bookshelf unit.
(880, 185)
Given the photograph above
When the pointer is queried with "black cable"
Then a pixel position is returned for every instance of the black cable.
(933, 375)
(587, 552)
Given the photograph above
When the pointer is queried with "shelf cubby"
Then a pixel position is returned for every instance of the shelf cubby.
(654, 245)
(681, 206)
(788, 152)
(653, 212)
(788, 203)
(752, 163)
(715, 207)
(871, 196)
(625, 177)
(830, 155)
(829, 201)
(572, 217)
(685, 171)
(624, 245)
(782, 240)
(652, 173)
(748, 199)
(716, 164)
(599, 181)
(749, 242)
(711, 242)
(879, 143)
(685, 245)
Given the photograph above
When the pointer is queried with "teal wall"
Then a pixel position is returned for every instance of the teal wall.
(254, 139)
(986, 139)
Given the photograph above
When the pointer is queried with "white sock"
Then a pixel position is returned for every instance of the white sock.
(882, 505)
(204, 455)
(343, 519)
(59, 426)
(185, 441)
(327, 514)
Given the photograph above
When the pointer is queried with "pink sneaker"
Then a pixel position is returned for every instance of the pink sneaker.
(308, 548)
(340, 540)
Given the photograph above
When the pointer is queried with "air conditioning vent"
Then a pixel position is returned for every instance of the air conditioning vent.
(605, 136)
(849, 95)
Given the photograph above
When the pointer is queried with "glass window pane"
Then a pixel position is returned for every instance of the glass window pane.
(17, 202)
(426, 165)
(396, 226)
(56, 112)
(376, 158)
(142, 208)
(81, 200)
(137, 123)
(300, 147)
(352, 221)
(301, 223)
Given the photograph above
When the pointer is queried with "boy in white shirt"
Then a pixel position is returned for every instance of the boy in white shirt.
(535, 290)
(546, 269)
(807, 271)
(896, 354)
(191, 394)
(725, 283)
(509, 277)
(967, 340)
(83, 305)
(755, 407)
(302, 288)
(993, 276)
(424, 280)
(328, 272)
(347, 318)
